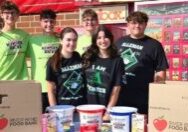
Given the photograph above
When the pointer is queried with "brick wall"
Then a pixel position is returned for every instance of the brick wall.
(31, 24)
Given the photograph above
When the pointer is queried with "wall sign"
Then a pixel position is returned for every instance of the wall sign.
(110, 14)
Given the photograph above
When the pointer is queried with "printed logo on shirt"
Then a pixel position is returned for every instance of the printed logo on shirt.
(96, 78)
(94, 90)
(74, 83)
(95, 82)
(71, 68)
(49, 48)
(133, 46)
(15, 44)
(129, 58)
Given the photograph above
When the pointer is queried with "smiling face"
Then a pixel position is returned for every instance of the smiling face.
(103, 43)
(90, 23)
(68, 42)
(47, 25)
(10, 17)
(137, 29)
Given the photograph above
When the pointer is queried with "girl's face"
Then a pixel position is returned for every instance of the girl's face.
(9, 17)
(103, 42)
(68, 42)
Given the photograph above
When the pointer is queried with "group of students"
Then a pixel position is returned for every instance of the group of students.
(87, 69)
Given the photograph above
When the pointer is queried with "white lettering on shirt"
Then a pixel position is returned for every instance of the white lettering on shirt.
(131, 45)
(71, 68)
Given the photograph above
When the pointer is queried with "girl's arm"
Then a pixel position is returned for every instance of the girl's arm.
(113, 100)
(51, 93)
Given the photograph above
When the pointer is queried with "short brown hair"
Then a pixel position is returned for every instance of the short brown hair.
(138, 16)
(8, 5)
(90, 13)
(47, 14)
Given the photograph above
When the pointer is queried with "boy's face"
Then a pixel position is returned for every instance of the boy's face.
(48, 25)
(9, 17)
(90, 23)
(136, 29)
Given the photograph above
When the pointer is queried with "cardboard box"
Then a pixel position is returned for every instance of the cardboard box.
(168, 107)
(20, 106)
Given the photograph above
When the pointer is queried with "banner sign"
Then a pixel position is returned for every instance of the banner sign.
(87, 2)
(120, 0)
(35, 6)
(110, 14)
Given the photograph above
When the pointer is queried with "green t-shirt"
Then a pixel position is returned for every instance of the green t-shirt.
(83, 43)
(13, 46)
(40, 48)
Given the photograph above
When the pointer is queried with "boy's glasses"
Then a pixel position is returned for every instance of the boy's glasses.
(89, 20)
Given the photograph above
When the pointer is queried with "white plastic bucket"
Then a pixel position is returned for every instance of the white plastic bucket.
(64, 112)
(91, 114)
(121, 118)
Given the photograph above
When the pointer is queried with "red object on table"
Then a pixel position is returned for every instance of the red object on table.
(89, 128)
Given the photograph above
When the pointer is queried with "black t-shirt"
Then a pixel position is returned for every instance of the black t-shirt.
(102, 75)
(69, 81)
(142, 58)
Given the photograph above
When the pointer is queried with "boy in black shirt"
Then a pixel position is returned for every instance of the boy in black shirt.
(145, 62)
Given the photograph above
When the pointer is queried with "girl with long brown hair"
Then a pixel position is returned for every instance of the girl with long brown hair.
(64, 74)
(104, 69)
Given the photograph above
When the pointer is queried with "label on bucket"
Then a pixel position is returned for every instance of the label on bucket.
(93, 118)
(64, 112)
(65, 117)
(120, 123)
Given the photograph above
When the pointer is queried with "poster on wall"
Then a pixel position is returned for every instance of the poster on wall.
(168, 23)
(35, 6)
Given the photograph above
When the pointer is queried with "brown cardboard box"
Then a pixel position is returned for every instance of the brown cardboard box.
(168, 107)
(20, 106)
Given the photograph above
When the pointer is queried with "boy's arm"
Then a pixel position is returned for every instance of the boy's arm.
(160, 76)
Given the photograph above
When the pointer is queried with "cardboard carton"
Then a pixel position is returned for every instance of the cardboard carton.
(168, 107)
(20, 106)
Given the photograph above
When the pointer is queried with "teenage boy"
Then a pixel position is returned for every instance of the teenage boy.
(13, 45)
(41, 47)
(89, 23)
(145, 62)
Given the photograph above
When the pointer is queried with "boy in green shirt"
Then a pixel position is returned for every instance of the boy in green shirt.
(13, 45)
(90, 23)
(41, 47)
